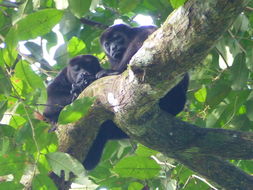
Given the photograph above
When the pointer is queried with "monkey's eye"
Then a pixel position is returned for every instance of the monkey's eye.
(106, 44)
(76, 67)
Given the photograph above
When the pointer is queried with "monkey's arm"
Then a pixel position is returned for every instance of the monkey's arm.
(58, 96)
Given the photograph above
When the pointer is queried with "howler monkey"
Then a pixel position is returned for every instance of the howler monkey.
(69, 83)
(120, 43)
(65, 88)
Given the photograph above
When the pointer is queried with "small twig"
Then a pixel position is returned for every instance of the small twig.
(16, 61)
(36, 145)
(248, 8)
(240, 46)
(50, 105)
(201, 179)
(93, 23)
(162, 163)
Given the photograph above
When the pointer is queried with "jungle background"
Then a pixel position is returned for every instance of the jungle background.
(220, 93)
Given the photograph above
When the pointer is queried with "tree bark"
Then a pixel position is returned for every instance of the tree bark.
(130, 99)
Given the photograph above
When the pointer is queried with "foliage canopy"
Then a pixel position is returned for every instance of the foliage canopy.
(220, 94)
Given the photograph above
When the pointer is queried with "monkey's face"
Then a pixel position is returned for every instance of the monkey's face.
(83, 68)
(78, 73)
(115, 45)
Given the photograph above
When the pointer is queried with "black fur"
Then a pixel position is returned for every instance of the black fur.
(69, 83)
(107, 131)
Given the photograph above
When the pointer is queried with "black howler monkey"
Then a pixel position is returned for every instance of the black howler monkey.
(120, 43)
(69, 83)
(65, 88)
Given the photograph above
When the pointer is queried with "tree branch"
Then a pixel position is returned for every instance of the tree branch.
(93, 23)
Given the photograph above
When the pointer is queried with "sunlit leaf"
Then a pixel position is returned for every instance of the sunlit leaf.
(62, 161)
(41, 21)
(177, 3)
(76, 46)
(76, 110)
(135, 185)
(145, 151)
(200, 95)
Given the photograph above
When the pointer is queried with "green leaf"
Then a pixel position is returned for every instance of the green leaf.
(135, 185)
(249, 106)
(76, 110)
(11, 185)
(35, 50)
(218, 92)
(76, 47)
(79, 7)
(126, 6)
(145, 151)
(4, 145)
(63, 161)
(13, 163)
(246, 165)
(51, 38)
(6, 130)
(41, 22)
(3, 108)
(61, 55)
(25, 73)
(224, 113)
(177, 3)
(137, 167)
(43, 182)
(17, 121)
(200, 95)
(111, 3)
(4, 81)
(239, 72)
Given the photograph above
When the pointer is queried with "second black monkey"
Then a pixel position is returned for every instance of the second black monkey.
(69, 83)
(64, 89)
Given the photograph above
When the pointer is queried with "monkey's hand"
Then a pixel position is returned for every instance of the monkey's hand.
(81, 83)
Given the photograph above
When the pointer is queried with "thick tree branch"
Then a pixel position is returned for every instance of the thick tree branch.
(130, 99)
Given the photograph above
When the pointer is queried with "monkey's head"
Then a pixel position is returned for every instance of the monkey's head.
(115, 40)
(83, 66)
